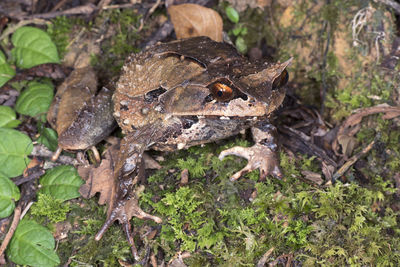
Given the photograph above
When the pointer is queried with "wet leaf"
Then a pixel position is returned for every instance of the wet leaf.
(33, 245)
(36, 99)
(6, 72)
(14, 150)
(33, 47)
(8, 117)
(232, 14)
(61, 182)
(192, 20)
(9, 193)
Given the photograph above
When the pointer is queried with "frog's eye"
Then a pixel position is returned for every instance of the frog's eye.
(281, 80)
(221, 92)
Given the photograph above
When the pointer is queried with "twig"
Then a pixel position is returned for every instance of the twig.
(353, 160)
(265, 257)
(10, 233)
(392, 4)
(28, 191)
(28, 178)
(79, 10)
(59, 5)
(14, 27)
(42, 151)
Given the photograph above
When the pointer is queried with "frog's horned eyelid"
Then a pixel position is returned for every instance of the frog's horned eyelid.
(286, 64)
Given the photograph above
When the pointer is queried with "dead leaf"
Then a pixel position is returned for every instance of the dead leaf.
(184, 177)
(100, 179)
(192, 20)
(350, 126)
(313, 177)
(150, 163)
(347, 143)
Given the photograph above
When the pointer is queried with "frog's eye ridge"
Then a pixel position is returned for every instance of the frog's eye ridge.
(281, 80)
(221, 92)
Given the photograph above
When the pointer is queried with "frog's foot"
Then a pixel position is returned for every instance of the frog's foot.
(258, 157)
(123, 211)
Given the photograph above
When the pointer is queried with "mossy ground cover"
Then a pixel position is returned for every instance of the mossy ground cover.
(222, 223)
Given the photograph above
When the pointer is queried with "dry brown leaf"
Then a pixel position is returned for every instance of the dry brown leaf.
(100, 179)
(350, 126)
(192, 20)
(313, 177)
(347, 143)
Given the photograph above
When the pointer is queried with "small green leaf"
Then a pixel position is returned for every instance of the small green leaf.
(34, 100)
(33, 245)
(232, 14)
(7, 117)
(14, 150)
(236, 31)
(33, 47)
(61, 182)
(6, 72)
(48, 137)
(9, 193)
(241, 45)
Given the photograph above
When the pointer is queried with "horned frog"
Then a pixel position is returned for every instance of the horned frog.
(185, 93)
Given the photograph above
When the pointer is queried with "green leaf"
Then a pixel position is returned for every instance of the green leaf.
(241, 45)
(236, 31)
(33, 245)
(232, 14)
(6, 72)
(48, 137)
(33, 47)
(9, 193)
(7, 117)
(36, 99)
(61, 182)
(14, 150)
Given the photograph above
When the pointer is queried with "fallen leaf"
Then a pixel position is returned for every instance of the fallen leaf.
(192, 20)
(347, 143)
(313, 177)
(350, 126)
(100, 179)
(184, 177)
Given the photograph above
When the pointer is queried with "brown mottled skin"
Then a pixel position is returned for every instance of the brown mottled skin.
(165, 99)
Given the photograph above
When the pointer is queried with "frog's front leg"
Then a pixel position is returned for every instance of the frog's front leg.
(262, 155)
(128, 170)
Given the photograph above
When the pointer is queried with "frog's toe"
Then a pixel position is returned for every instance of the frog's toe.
(123, 211)
(258, 157)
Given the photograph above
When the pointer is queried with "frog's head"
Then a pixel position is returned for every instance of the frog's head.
(251, 95)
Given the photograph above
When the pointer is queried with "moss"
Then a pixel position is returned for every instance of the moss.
(48, 208)
(59, 31)
(124, 27)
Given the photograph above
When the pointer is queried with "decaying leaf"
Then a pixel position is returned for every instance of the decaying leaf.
(100, 179)
(313, 177)
(350, 126)
(192, 20)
